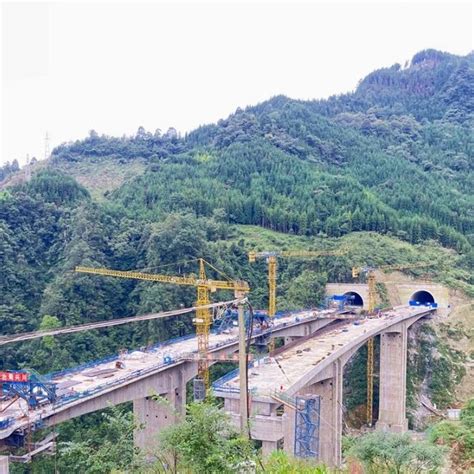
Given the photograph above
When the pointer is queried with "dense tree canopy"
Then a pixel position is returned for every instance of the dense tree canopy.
(393, 157)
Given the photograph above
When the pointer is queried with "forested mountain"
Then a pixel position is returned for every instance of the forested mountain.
(395, 156)
(387, 169)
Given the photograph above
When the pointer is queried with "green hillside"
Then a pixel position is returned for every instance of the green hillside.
(394, 157)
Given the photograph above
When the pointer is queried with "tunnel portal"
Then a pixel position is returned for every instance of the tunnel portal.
(422, 298)
(354, 299)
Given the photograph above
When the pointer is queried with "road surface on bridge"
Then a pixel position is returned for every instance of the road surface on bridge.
(79, 384)
(283, 373)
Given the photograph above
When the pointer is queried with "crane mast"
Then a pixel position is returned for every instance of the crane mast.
(272, 279)
(203, 324)
(203, 319)
(271, 257)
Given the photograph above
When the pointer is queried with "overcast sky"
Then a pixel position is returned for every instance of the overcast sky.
(69, 67)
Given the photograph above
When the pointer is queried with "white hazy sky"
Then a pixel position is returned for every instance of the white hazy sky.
(71, 67)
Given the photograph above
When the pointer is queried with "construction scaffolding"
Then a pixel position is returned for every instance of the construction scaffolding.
(307, 421)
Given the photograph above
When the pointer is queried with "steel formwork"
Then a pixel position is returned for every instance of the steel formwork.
(307, 422)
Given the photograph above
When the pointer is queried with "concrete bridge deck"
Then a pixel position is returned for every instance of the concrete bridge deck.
(314, 368)
(287, 372)
(145, 373)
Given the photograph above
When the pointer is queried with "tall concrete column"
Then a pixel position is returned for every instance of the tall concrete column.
(289, 430)
(393, 380)
(330, 427)
(4, 465)
(152, 416)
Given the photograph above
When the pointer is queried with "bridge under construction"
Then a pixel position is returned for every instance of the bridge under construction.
(309, 372)
(289, 398)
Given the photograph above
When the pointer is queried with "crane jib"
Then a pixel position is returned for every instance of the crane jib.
(212, 285)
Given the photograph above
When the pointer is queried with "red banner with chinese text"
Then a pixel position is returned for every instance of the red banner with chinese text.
(13, 376)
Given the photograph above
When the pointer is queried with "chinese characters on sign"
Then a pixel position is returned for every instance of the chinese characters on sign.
(13, 377)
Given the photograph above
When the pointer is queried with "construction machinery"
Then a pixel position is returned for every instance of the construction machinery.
(371, 283)
(272, 256)
(28, 385)
(203, 319)
(344, 303)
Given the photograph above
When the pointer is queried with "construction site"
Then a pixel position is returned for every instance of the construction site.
(287, 390)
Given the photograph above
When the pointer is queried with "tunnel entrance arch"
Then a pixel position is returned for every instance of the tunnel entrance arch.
(422, 298)
(353, 298)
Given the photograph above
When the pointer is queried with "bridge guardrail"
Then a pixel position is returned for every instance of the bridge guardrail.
(219, 384)
(68, 398)
(79, 368)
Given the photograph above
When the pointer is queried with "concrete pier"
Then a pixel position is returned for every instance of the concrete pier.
(4, 465)
(268, 447)
(330, 427)
(289, 423)
(329, 389)
(153, 415)
(265, 425)
(393, 381)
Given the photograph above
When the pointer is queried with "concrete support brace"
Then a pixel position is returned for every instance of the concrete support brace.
(152, 416)
(4, 465)
(393, 377)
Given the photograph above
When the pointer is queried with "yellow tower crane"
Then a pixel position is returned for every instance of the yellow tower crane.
(371, 283)
(204, 287)
(272, 256)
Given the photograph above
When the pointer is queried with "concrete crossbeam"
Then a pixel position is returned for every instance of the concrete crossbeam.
(262, 428)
